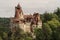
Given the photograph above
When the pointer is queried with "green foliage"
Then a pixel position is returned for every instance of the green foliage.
(47, 31)
(39, 34)
(57, 12)
(54, 23)
(4, 24)
(48, 16)
(0, 38)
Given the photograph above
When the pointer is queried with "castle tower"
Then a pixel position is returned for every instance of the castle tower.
(17, 18)
(18, 12)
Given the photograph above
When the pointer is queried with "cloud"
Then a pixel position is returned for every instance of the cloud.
(28, 6)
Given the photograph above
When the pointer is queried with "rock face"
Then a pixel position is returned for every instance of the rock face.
(26, 22)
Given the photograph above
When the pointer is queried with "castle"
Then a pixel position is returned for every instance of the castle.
(26, 22)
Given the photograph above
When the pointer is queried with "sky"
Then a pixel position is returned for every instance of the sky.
(7, 7)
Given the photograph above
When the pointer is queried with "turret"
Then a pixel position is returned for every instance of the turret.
(18, 12)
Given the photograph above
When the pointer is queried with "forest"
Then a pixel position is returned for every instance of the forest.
(50, 28)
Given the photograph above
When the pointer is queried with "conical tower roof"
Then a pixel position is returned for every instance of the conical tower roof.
(18, 6)
(18, 11)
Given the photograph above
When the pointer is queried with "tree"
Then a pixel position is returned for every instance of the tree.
(57, 11)
(54, 25)
(47, 31)
(39, 34)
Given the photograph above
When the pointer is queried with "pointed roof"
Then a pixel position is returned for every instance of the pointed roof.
(18, 6)
(18, 9)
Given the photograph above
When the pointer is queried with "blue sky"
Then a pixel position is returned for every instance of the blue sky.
(28, 6)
